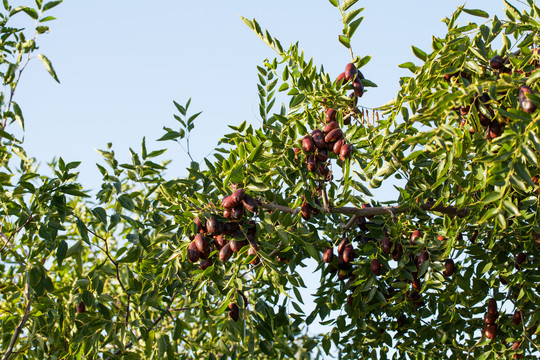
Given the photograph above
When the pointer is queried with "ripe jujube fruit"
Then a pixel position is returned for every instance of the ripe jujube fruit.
(322, 155)
(398, 249)
(318, 139)
(250, 204)
(199, 225)
(345, 152)
(337, 146)
(212, 225)
(328, 255)
(341, 246)
(524, 102)
(329, 127)
(350, 72)
(423, 257)
(330, 115)
(238, 195)
(516, 319)
(307, 144)
(358, 87)
(496, 62)
(348, 253)
(205, 264)
(253, 250)
(80, 308)
(234, 311)
(192, 252)
(237, 212)
(333, 135)
(449, 267)
(386, 245)
(415, 235)
(311, 163)
(491, 331)
(375, 267)
(225, 253)
(305, 210)
(492, 306)
(228, 202)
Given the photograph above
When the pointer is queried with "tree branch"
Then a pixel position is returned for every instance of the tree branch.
(381, 210)
(23, 321)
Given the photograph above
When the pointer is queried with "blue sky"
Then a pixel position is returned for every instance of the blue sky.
(121, 63)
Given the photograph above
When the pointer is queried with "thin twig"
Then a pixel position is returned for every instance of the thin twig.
(15, 232)
(475, 345)
(23, 321)
(525, 331)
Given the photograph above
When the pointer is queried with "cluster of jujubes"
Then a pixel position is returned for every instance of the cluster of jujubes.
(343, 264)
(324, 143)
(227, 233)
(484, 105)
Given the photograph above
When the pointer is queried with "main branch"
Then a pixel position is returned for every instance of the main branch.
(380, 210)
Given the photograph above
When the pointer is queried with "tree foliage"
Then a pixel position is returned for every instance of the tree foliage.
(207, 266)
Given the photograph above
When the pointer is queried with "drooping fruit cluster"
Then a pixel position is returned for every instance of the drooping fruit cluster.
(490, 321)
(322, 143)
(346, 256)
(228, 237)
(484, 105)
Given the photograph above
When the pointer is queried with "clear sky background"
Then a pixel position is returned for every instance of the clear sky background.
(122, 63)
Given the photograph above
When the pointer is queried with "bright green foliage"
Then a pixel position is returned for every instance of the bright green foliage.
(108, 276)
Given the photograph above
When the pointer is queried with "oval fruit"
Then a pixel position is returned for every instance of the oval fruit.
(192, 252)
(212, 225)
(398, 249)
(337, 146)
(340, 78)
(329, 127)
(491, 331)
(205, 264)
(322, 155)
(330, 115)
(375, 267)
(328, 255)
(253, 250)
(234, 311)
(386, 245)
(225, 253)
(305, 210)
(524, 102)
(449, 267)
(201, 243)
(348, 254)
(343, 243)
(496, 62)
(516, 319)
(200, 226)
(318, 139)
(350, 71)
(238, 195)
(307, 144)
(311, 163)
(345, 152)
(250, 204)
(423, 257)
(237, 212)
(358, 87)
(228, 202)
(80, 308)
(333, 135)
(492, 306)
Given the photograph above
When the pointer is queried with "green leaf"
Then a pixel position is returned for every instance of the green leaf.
(347, 4)
(255, 153)
(51, 4)
(126, 202)
(61, 252)
(83, 231)
(48, 66)
(18, 114)
(31, 12)
(334, 2)
(419, 53)
(249, 23)
(345, 41)
(351, 15)
(492, 196)
(476, 12)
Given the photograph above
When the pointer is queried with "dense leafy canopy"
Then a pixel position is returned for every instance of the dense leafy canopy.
(196, 267)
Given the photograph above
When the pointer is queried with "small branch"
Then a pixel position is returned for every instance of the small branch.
(350, 223)
(475, 345)
(23, 321)
(525, 331)
(130, 344)
(15, 232)
(325, 199)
